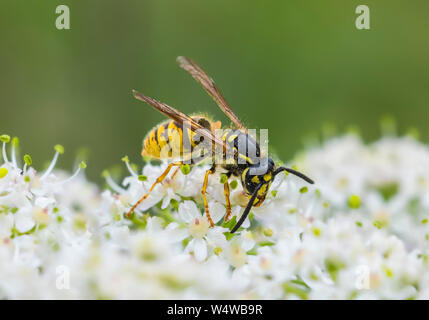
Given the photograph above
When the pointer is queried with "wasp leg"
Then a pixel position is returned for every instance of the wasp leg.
(175, 173)
(158, 180)
(228, 203)
(203, 191)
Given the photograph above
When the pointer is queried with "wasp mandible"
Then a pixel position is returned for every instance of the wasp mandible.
(192, 139)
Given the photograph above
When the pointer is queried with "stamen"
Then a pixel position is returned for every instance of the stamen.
(3, 172)
(27, 162)
(185, 169)
(82, 165)
(127, 163)
(5, 139)
(15, 144)
(59, 149)
(112, 184)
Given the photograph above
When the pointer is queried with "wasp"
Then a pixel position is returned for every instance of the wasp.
(181, 138)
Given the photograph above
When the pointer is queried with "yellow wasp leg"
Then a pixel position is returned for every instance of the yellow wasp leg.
(175, 173)
(158, 180)
(228, 203)
(203, 191)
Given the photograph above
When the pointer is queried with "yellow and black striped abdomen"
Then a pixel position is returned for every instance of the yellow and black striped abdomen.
(164, 141)
(170, 140)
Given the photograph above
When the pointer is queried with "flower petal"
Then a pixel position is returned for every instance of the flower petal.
(43, 202)
(23, 222)
(247, 241)
(217, 211)
(188, 211)
(176, 234)
(200, 249)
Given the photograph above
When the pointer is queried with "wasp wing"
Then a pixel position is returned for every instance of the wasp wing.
(208, 84)
(181, 118)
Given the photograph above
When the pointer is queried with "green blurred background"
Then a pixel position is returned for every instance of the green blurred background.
(290, 66)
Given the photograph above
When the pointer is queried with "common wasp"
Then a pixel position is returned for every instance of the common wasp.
(192, 139)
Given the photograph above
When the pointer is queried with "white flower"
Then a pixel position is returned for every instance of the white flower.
(361, 232)
(203, 238)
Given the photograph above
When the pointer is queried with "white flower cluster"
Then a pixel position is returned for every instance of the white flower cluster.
(360, 232)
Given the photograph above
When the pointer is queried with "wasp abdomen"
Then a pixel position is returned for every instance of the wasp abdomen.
(171, 139)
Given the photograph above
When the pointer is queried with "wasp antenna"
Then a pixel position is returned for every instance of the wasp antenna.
(298, 174)
(247, 210)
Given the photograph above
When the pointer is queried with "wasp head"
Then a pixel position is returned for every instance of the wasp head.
(259, 177)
